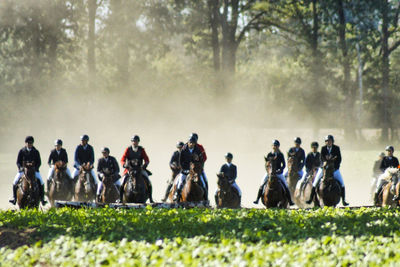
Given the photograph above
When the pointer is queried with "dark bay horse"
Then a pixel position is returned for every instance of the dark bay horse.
(61, 187)
(134, 189)
(85, 187)
(293, 172)
(274, 193)
(227, 195)
(28, 188)
(329, 190)
(303, 190)
(109, 193)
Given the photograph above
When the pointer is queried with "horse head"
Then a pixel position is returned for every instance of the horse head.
(329, 167)
(85, 175)
(60, 166)
(270, 165)
(292, 162)
(107, 179)
(223, 182)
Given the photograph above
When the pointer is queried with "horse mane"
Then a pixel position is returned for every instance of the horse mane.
(59, 165)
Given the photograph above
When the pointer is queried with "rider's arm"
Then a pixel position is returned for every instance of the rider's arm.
(91, 155)
(76, 158)
(234, 172)
(383, 165)
(50, 158)
(339, 157)
(19, 160)
(66, 156)
(124, 157)
(302, 159)
(145, 158)
(38, 161)
(203, 152)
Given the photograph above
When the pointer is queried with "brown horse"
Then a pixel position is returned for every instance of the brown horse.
(293, 172)
(28, 188)
(134, 189)
(109, 193)
(303, 189)
(329, 190)
(390, 188)
(227, 195)
(61, 187)
(85, 187)
(274, 193)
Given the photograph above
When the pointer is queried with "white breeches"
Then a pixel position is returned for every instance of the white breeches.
(303, 178)
(51, 171)
(280, 176)
(336, 175)
(19, 175)
(76, 172)
(234, 184)
(182, 178)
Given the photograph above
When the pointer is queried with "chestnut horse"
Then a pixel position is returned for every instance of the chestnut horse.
(303, 190)
(192, 190)
(390, 188)
(135, 190)
(227, 195)
(61, 187)
(85, 187)
(293, 172)
(329, 190)
(28, 188)
(109, 193)
(274, 193)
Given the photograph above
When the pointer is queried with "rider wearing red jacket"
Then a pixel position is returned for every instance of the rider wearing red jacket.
(136, 152)
(204, 157)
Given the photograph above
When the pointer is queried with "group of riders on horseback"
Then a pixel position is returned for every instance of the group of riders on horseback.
(187, 165)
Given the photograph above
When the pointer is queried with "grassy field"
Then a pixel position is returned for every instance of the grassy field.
(200, 237)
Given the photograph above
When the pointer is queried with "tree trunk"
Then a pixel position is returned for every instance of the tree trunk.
(214, 23)
(91, 59)
(349, 129)
(385, 72)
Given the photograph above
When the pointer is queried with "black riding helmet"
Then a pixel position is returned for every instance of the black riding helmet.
(135, 138)
(229, 155)
(29, 139)
(390, 148)
(194, 136)
(58, 142)
(297, 140)
(275, 143)
(84, 137)
(329, 137)
(105, 149)
(314, 144)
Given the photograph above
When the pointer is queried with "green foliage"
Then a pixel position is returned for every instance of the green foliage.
(206, 237)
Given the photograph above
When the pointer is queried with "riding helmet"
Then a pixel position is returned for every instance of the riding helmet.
(105, 149)
(180, 144)
(297, 140)
(192, 139)
(276, 143)
(314, 144)
(135, 138)
(195, 136)
(229, 155)
(29, 139)
(84, 137)
(390, 148)
(58, 142)
(329, 137)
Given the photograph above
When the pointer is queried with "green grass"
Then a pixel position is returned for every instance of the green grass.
(327, 237)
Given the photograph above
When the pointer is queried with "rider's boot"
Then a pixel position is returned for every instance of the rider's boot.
(216, 199)
(313, 192)
(41, 194)
(150, 187)
(289, 197)
(259, 194)
(344, 203)
(98, 198)
(177, 196)
(206, 194)
(121, 191)
(167, 192)
(376, 196)
(14, 199)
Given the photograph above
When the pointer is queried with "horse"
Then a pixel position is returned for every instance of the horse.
(134, 189)
(227, 195)
(389, 189)
(85, 187)
(109, 193)
(303, 189)
(61, 187)
(28, 188)
(274, 193)
(192, 190)
(293, 172)
(329, 190)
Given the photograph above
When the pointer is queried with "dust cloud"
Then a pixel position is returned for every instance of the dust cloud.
(162, 120)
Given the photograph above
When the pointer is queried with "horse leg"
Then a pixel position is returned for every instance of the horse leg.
(167, 192)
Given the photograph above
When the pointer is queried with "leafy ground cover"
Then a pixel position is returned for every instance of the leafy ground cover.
(206, 237)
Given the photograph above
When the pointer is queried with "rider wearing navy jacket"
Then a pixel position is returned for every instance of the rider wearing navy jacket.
(299, 154)
(28, 154)
(57, 154)
(280, 163)
(84, 154)
(174, 164)
(230, 171)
